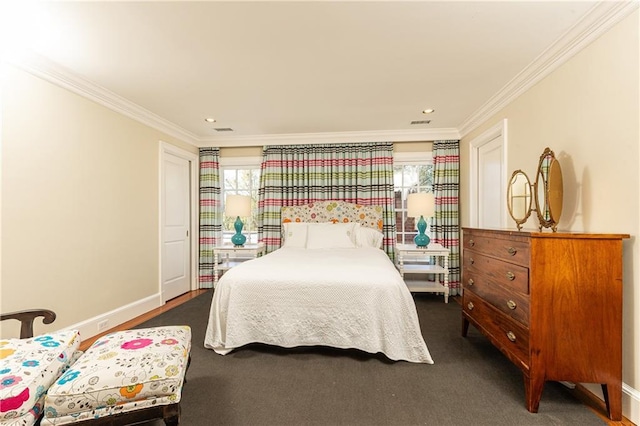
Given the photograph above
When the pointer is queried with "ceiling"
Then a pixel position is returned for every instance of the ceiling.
(290, 69)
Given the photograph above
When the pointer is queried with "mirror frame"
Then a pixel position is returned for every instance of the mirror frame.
(528, 203)
(548, 191)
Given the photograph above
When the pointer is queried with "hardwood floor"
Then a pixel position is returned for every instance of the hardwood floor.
(580, 392)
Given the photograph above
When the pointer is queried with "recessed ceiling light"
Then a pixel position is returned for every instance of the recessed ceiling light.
(428, 111)
(210, 120)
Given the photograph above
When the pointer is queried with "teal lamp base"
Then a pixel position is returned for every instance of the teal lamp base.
(238, 239)
(421, 239)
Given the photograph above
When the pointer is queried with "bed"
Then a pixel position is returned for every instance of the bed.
(329, 284)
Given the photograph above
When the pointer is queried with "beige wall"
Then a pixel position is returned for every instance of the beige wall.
(79, 203)
(417, 147)
(587, 112)
(249, 151)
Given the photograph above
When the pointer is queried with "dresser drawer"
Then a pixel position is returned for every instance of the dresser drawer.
(508, 335)
(510, 276)
(512, 250)
(512, 303)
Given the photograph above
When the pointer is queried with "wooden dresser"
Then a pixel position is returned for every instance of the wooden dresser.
(552, 303)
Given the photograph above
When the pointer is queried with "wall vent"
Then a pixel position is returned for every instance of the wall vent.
(223, 129)
(421, 122)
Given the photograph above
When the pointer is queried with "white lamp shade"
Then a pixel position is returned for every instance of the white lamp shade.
(420, 204)
(237, 205)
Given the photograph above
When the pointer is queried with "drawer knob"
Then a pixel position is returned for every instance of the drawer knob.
(471, 281)
(472, 243)
(511, 276)
(512, 251)
(471, 261)
(470, 306)
(511, 336)
(511, 304)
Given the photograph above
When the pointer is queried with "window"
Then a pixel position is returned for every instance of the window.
(240, 180)
(410, 176)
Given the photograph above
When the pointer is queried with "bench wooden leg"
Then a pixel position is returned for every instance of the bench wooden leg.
(171, 415)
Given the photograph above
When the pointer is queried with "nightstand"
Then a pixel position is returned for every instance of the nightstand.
(227, 256)
(434, 259)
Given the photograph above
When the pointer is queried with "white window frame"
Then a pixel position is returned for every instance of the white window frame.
(409, 159)
(238, 163)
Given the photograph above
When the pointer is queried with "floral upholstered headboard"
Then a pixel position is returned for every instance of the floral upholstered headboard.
(336, 212)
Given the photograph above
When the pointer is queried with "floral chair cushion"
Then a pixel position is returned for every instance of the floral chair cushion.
(120, 372)
(27, 368)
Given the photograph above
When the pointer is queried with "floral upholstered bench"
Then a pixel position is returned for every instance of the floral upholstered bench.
(123, 378)
(28, 368)
(29, 365)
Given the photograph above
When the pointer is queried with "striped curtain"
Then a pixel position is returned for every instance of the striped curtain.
(293, 175)
(210, 213)
(446, 187)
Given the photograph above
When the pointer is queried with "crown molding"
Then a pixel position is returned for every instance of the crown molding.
(48, 70)
(333, 137)
(600, 18)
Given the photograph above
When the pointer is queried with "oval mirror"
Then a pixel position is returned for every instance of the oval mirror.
(519, 197)
(549, 191)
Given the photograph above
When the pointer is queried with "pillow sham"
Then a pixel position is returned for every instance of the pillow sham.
(368, 237)
(330, 235)
(294, 234)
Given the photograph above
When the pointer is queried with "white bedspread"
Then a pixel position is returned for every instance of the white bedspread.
(343, 298)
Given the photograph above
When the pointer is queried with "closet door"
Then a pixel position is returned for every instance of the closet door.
(176, 244)
(487, 178)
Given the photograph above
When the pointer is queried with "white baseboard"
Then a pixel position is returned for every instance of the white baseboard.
(631, 403)
(568, 384)
(630, 400)
(91, 327)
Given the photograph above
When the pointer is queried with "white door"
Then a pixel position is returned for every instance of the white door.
(176, 244)
(487, 178)
(490, 202)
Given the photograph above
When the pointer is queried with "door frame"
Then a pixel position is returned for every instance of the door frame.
(194, 169)
(498, 130)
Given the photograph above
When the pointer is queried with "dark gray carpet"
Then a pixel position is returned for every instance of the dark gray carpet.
(471, 382)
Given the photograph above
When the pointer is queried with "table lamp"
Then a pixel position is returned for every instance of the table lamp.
(238, 205)
(421, 204)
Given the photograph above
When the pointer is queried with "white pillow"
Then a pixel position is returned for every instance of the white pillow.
(295, 234)
(330, 235)
(368, 237)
